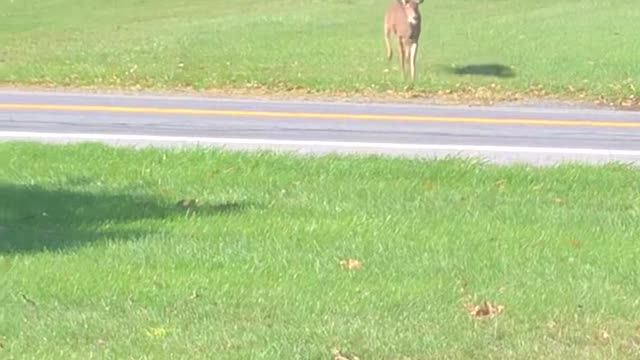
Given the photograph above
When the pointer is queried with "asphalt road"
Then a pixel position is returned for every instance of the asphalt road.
(501, 134)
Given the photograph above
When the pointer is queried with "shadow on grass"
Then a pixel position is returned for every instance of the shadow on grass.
(495, 70)
(37, 219)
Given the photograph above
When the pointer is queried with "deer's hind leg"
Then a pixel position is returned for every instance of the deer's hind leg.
(403, 57)
(387, 34)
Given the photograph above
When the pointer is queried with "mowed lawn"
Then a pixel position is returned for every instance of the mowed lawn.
(202, 254)
(575, 48)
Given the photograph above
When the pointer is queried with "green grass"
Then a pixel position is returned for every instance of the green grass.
(573, 47)
(97, 259)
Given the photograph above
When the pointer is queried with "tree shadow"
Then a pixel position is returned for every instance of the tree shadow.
(34, 218)
(495, 70)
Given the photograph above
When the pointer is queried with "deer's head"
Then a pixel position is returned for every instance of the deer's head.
(411, 8)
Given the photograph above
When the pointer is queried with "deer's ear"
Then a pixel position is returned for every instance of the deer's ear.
(405, 2)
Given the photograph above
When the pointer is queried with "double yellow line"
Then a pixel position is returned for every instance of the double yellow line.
(322, 116)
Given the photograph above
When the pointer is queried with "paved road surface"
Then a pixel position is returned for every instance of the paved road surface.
(532, 135)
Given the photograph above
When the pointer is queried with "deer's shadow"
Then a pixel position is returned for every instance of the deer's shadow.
(488, 70)
(34, 218)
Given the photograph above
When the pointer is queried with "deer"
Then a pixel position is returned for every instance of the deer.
(403, 20)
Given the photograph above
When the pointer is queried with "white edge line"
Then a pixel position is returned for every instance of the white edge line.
(335, 144)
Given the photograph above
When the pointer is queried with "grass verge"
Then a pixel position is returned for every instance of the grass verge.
(470, 50)
(127, 253)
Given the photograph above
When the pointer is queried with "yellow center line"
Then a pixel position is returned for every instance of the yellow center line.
(326, 116)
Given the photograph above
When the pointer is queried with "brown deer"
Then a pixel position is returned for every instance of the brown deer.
(403, 19)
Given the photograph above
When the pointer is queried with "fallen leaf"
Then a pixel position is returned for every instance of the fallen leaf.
(485, 310)
(338, 355)
(428, 185)
(604, 336)
(576, 244)
(351, 264)
(559, 201)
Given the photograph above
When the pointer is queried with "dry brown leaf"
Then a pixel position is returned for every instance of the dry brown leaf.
(428, 185)
(351, 264)
(485, 310)
(576, 244)
(338, 355)
(603, 335)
